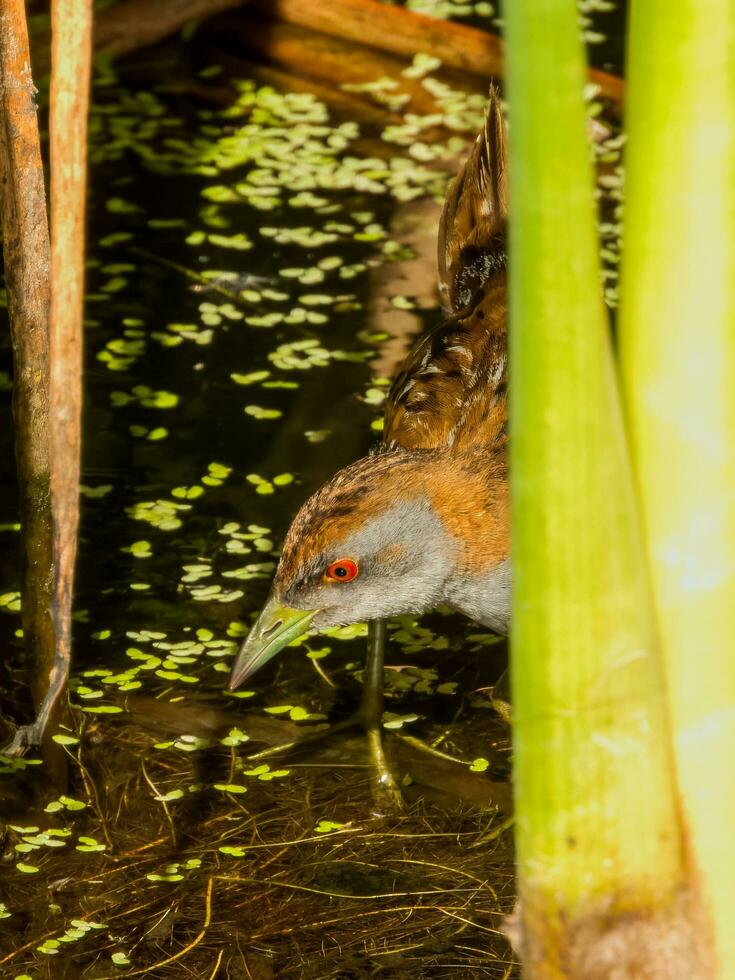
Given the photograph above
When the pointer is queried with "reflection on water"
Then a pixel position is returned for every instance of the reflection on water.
(252, 269)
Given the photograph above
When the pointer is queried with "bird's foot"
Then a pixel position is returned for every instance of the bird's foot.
(310, 739)
(500, 698)
(384, 785)
(26, 737)
(430, 750)
(369, 717)
(386, 792)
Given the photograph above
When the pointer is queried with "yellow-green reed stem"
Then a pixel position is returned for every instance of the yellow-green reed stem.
(596, 805)
(678, 358)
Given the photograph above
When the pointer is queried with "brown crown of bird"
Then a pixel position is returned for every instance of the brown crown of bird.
(422, 520)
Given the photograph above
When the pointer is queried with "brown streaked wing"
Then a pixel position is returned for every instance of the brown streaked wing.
(473, 221)
(451, 390)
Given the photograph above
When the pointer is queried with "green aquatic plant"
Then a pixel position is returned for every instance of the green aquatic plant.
(677, 311)
(604, 850)
(587, 679)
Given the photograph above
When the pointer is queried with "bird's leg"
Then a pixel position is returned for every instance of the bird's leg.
(500, 698)
(385, 787)
(370, 711)
(369, 716)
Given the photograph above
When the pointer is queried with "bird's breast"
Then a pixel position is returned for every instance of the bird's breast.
(484, 597)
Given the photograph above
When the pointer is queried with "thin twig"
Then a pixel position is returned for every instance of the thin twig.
(71, 26)
(191, 274)
(187, 949)
(213, 974)
(160, 800)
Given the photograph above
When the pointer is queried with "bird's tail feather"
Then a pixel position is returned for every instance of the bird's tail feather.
(472, 227)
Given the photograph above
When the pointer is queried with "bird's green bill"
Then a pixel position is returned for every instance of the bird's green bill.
(274, 629)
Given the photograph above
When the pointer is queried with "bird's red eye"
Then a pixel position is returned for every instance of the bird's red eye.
(343, 570)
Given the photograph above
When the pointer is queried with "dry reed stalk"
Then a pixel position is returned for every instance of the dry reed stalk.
(27, 276)
(70, 69)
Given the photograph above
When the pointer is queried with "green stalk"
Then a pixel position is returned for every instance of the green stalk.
(598, 836)
(678, 358)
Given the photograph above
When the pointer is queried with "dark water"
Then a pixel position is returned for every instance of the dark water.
(171, 853)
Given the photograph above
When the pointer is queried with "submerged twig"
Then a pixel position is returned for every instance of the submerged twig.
(421, 893)
(213, 974)
(187, 949)
(159, 796)
(195, 942)
(191, 274)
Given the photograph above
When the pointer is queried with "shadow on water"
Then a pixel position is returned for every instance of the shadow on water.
(229, 371)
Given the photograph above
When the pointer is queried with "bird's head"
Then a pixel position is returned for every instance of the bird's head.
(393, 533)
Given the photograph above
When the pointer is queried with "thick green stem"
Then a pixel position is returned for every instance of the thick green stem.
(678, 357)
(598, 833)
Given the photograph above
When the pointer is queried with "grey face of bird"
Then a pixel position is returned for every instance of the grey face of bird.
(396, 561)
(368, 545)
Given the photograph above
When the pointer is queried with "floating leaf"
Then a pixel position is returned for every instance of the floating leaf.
(235, 737)
(92, 492)
(139, 549)
(64, 803)
(421, 65)
(257, 412)
(10, 601)
(327, 826)
(250, 379)
(62, 739)
(175, 794)
(188, 493)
